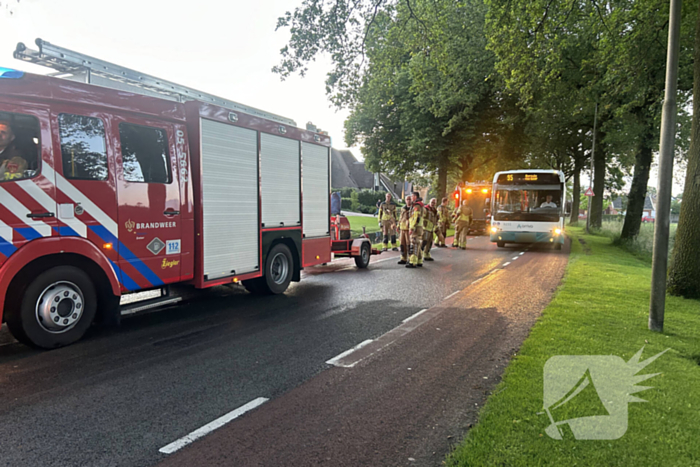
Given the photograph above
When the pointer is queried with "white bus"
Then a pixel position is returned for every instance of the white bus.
(528, 206)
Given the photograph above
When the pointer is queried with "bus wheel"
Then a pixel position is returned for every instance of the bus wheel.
(500, 244)
(278, 270)
(56, 309)
(362, 261)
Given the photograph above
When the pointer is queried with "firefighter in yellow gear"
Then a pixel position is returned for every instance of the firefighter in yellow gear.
(443, 223)
(404, 221)
(462, 217)
(415, 226)
(429, 226)
(387, 221)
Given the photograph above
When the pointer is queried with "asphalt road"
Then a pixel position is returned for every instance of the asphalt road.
(120, 395)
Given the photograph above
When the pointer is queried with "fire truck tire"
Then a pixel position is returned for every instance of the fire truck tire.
(362, 260)
(278, 271)
(56, 309)
(501, 244)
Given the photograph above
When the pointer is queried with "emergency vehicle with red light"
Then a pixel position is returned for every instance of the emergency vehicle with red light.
(114, 182)
(478, 197)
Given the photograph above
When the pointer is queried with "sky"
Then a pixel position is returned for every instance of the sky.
(224, 48)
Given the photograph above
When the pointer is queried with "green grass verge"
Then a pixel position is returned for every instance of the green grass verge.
(643, 244)
(372, 227)
(601, 309)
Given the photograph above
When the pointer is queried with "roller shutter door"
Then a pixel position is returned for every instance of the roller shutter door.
(229, 199)
(315, 190)
(279, 165)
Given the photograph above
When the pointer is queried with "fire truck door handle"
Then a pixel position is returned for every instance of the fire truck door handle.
(171, 213)
(33, 215)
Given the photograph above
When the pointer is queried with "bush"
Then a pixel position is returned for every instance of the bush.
(347, 192)
(370, 198)
(345, 203)
(367, 209)
(354, 202)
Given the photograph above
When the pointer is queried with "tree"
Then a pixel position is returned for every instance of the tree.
(634, 52)
(684, 274)
(418, 79)
(547, 48)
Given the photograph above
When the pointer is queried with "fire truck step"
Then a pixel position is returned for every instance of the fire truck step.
(148, 304)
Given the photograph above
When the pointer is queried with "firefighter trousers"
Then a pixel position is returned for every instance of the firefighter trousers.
(427, 245)
(461, 235)
(416, 257)
(441, 232)
(405, 240)
(389, 231)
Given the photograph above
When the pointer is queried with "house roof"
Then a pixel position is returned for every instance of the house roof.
(340, 173)
(348, 172)
(650, 203)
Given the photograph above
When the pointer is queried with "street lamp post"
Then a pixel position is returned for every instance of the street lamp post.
(663, 210)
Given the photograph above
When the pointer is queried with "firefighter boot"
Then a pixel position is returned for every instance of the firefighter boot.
(404, 254)
(393, 242)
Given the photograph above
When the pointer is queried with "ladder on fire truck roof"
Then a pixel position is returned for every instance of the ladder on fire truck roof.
(76, 66)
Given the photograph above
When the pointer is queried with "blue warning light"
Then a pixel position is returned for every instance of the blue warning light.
(9, 73)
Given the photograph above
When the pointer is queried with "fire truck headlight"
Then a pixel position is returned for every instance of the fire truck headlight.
(469, 190)
(557, 231)
(485, 190)
(494, 229)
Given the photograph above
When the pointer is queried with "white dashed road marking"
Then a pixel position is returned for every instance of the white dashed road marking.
(337, 358)
(209, 427)
(413, 316)
(451, 295)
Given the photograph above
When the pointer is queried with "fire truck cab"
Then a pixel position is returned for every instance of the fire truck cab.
(107, 191)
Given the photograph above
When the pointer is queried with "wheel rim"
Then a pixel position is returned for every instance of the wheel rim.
(280, 268)
(59, 307)
(365, 255)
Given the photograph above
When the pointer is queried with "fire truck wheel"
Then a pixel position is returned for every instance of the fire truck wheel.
(362, 261)
(501, 244)
(278, 270)
(56, 308)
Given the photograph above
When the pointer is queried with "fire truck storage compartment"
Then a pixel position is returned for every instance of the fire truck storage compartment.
(229, 199)
(316, 189)
(279, 181)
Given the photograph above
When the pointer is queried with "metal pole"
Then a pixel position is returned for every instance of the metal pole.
(590, 181)
(663, 206)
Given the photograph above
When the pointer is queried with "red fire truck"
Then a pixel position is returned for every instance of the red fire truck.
(478, 197)
(125, 182)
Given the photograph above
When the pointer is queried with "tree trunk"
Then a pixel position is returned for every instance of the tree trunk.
(596, 203)
(684, 275)
(466, 167)
(638, 190)
(442, 177)
(576, 193)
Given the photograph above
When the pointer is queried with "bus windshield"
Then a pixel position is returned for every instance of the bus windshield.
(532, 203)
